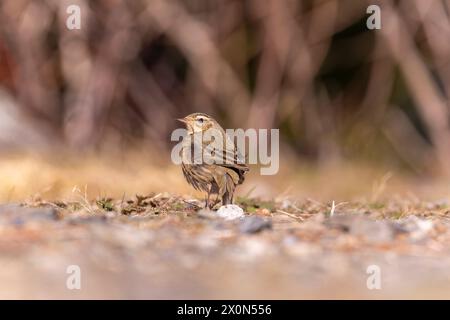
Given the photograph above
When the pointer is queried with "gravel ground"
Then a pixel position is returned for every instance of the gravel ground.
(165, 246)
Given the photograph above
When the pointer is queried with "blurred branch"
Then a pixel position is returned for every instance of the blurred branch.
(194, 39)
(437, 27)
(407, 142)
(430, 102)
(85, 118)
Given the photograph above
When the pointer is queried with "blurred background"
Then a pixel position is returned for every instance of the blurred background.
(86, 115)
(96, 106)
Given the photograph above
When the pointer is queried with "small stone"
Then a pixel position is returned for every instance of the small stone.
(91, 219)
(263, 212)
(254, 224)
(417, 228)
(373, 231)
(358, 225)
(286, 204)
(18, 215)
(206, 214)
(230, 212)
(440, 204)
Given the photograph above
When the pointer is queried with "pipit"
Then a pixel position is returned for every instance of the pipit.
(219, 166)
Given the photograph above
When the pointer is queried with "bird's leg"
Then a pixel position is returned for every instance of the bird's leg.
(207, 198)
(207, 202)
(225, 199)
(215, 201)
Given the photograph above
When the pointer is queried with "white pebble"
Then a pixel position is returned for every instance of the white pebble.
(230, 212)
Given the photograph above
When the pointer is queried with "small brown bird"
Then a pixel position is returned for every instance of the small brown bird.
(219, 172)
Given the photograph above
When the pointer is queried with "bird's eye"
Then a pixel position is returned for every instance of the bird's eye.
(200, 120)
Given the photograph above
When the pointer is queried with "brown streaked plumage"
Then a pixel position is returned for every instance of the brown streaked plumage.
(213, 177)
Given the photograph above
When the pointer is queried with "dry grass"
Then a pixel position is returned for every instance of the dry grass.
(56, 177)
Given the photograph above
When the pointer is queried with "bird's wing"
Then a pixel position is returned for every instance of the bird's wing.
(227, 156)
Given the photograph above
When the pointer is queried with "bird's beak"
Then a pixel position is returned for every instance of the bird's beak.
(182, 120)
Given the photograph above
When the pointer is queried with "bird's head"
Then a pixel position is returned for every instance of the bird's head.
(198, 122)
